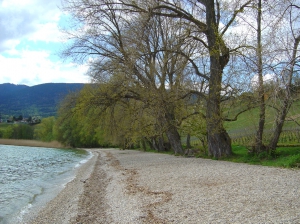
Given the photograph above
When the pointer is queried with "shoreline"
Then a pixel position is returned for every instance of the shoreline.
(65, 203)
(47, 181)
(127, 186)
(31, 143)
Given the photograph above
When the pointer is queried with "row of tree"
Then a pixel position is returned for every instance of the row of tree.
(17, 131)
(126, 124)
(33, 128)
(160, 68)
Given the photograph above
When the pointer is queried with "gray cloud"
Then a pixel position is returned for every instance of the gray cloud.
(17, 22)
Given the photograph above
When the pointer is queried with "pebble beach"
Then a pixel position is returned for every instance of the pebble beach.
(127, 186)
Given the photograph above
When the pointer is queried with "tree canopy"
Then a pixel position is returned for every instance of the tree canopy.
(158, 65)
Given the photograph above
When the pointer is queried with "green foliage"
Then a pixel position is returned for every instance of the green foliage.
(3, 127)
(45, 130)
(79, 124)
(7, 132)
(22, 131)
(196, 127)
(16, 131)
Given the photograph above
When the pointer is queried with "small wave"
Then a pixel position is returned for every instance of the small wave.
(84, 160)
(41, 174)
(24, 211)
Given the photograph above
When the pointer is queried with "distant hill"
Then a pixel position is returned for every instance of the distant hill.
(40, 100)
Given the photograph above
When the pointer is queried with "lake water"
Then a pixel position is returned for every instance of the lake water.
(31, 176)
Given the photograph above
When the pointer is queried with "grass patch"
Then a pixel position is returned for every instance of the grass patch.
(248, 121)
(287, 157)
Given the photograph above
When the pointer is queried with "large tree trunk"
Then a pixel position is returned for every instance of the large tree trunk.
(278, 128)
(169, 124)
(161, 146)
(259, 146)
(153, 144)
(143, 142)
(175, 140)
(188, 141)
(219, 143)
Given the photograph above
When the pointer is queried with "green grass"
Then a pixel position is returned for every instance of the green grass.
(248, 121)
(242, 131)
(287, 157)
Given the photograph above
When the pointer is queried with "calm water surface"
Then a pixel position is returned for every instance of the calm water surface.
(31, 175)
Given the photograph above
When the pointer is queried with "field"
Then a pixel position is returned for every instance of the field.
(243, 130)
(242, 133)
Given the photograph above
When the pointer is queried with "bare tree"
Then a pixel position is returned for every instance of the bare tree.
(276, 50)
(289, 60)
(261, 93)
(134, 55)
(204, 18)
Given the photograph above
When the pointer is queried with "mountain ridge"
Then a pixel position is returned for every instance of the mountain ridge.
(39, 100)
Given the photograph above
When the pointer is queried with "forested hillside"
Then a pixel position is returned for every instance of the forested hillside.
(40, 100)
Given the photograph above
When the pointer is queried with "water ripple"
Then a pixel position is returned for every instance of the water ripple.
(27, 172)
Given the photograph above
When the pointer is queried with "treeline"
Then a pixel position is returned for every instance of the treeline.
(16, 131)
(82, 122)
(47, 130)
(43, 130)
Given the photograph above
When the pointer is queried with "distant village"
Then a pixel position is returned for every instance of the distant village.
(20, 119)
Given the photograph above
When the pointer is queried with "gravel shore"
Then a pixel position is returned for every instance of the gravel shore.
(118, 186)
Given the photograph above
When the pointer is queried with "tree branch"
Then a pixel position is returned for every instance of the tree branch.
(238, 114)
(236, 12)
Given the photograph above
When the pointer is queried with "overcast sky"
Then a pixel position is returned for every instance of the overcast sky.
(30, 42)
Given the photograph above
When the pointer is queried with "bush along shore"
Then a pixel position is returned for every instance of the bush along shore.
(32, 143)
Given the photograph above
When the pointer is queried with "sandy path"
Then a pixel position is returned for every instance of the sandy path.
(135, 187)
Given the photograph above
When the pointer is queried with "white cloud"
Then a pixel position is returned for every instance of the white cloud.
(28, 19)
(13, 3)
(35, 67)
(267, 79)
(29, 29)
(48, 32)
